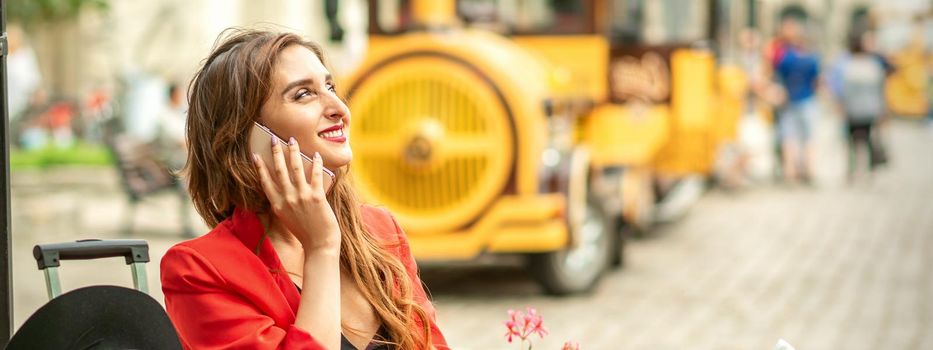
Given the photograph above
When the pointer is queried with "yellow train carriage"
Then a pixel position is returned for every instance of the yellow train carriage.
(653, 114)
(524, 128)
(453, 131)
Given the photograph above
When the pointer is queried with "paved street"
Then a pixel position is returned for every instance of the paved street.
(825, 267)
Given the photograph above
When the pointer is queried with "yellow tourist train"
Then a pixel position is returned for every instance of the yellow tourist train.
(542, 129)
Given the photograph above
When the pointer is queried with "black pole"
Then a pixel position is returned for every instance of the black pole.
(336, 31)
(753, 14)
(6, 272)
(713, 27)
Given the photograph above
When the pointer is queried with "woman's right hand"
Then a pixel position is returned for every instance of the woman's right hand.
(299, 205)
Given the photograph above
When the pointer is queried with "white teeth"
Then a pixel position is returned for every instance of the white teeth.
(332, 134)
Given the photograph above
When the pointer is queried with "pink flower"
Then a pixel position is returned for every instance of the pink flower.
(523, 325)
(512, 325)
(535, 323)
(570, 346)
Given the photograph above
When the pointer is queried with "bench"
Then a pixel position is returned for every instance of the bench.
(144, 173)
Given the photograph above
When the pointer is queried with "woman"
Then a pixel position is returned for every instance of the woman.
(861, 76)
(288, 264)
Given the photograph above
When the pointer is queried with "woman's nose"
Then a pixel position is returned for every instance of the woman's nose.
(332, 114)
(335, 109)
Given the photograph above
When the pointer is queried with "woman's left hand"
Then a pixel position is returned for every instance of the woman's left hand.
(301, 206)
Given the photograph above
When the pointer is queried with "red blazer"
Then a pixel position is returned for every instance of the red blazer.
(221, 295)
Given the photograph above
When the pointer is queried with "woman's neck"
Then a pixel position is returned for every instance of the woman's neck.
(286, 246)
(276, 233)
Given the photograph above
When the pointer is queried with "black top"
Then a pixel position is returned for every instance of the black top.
(375, 344)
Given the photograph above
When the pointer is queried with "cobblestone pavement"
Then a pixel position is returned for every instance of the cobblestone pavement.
(826, 267)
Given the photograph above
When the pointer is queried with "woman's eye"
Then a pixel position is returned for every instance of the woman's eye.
(332, 88)
(302, 93)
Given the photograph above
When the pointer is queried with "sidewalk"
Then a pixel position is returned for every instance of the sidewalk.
(825, 267)
(66, 204)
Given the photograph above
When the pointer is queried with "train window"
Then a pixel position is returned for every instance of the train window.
(478, 11)
(627, 20)
(389, 16)
(481, 14)
(529, 16)
(659, 22)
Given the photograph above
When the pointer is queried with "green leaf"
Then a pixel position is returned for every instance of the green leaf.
(38, 12)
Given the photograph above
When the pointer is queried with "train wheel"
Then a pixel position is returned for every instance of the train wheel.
(577, 268)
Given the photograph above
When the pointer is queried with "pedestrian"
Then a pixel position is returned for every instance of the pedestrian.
(798, 71)
(862, 100)
(170, 130)
(24, 80)
(25, 96)
(755, 135)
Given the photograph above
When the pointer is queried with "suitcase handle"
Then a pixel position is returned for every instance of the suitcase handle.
(50, 255)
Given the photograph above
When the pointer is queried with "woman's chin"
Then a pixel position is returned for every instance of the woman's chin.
(337, 160)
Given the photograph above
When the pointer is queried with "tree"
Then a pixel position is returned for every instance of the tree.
(52, 27)
(35, 12)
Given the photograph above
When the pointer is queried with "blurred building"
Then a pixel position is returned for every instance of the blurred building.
(895, 19)
(168, 38)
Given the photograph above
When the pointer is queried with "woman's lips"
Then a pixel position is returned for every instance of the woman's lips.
(333, 134)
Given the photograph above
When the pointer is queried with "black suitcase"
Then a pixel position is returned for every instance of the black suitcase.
(96, 317)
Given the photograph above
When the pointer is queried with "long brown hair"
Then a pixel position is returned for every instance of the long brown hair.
(226, 96)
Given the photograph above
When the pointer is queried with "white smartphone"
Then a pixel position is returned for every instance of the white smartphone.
(260, 143)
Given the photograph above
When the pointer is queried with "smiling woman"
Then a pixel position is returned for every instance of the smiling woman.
(292, 262)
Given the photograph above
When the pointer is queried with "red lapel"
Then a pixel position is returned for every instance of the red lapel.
(246, 227)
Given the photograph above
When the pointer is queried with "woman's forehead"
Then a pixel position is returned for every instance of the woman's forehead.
(298, 62)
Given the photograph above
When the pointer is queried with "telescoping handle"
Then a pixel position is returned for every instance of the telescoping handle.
(49, 256)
